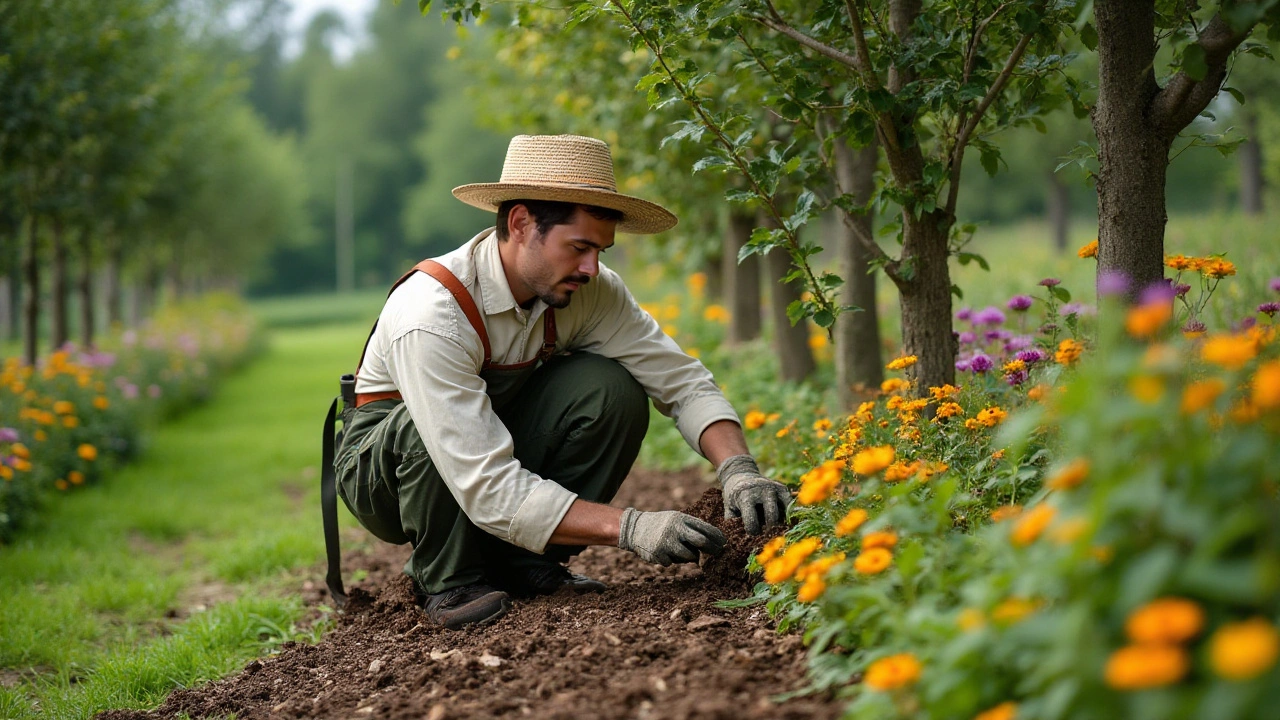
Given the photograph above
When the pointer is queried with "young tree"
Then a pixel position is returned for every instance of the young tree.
(1137, 119)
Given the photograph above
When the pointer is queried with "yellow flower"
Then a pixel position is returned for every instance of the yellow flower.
(1201, 394)
(770, 549)
(61, 484)
(1143, 321)
(822, 425)
(1068, 531)
(1088, 251)
(1266, 386)
(76, 477)
(782, 432)
(715, 313)
(1178, 262)
(1137, 667)
(1037, 392)
(1168, 620)
(851, 522)
(1068, 352)
(1069, 476)
(1217, 268)
(697, 283)
(1031, 523)
(818, 568)
(20, 450)
(101, 402)
(970, 619)
(943, 393)
(670, 330)
(817, 341)
(818, 484)
(1012, 610)
(1003, 711)
(881, 539)
(900, 471)
(87, 452)
(40, 435)
(64, 407)
(872, 561)
(1147, 388)
(992, 416)
(780, 569)
(70, 421)
(873, 460)
(894, 385)
(890, 673)
(1244, 650)
(902, 363)
(754, 420)
(812, 589)
(1229, 351)
(22, 465)
(1005, 512)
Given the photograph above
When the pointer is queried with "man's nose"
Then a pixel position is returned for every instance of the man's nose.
(590, 265)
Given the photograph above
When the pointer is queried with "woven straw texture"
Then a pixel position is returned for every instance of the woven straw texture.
(566, 168)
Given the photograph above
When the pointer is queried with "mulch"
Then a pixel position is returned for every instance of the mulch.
(654, 645)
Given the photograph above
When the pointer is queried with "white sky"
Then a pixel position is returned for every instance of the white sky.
(353, 11)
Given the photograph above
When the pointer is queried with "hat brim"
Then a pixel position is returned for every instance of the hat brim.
(639, 217)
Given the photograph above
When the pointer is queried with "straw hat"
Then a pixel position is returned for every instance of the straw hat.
(565, 168)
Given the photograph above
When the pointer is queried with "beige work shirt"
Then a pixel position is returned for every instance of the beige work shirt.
(425, 348)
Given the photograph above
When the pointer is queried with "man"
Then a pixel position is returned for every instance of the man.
(502, 398)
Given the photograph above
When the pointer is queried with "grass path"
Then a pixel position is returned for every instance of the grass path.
(172, 571)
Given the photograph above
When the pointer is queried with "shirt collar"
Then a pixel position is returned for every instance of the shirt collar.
(494, 288)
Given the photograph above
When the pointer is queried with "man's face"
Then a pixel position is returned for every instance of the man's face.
(552, 266)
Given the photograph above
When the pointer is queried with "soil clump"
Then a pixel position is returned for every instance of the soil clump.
(654, 645)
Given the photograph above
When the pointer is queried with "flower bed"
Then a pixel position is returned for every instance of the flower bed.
(78, 413)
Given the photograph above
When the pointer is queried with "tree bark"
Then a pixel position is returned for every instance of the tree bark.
(85, 288)
(1250, 152)
(1059, 207)
(115, 283)
(858, 357)
(791, 342)
(741, 280)
(926, 303)
(60, 332)
(31, 301)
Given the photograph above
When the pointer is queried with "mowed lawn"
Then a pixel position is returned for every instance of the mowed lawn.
(183, 565)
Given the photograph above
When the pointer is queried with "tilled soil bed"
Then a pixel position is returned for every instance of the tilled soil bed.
(654, 645)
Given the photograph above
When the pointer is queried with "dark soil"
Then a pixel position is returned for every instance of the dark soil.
(654, 645)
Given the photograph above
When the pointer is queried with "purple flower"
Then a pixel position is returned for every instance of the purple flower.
(1016, 377)
(964, 313)
(1020, 303)
(8, 434)
(1246, 323)
(1073, 308)
(988, 316)
(1193, 326)
(967, 337)
(1017, 343)
(129, 338)
(962, 366)
(1031, 356)
(1050, 282)
(1270, 308)
(980, 363)
(1181, 289)
(1049, 328)
(991, 335)
(1274, 284)
(154, 390)
(1157, 293)
(130, 391)
(1112, 282)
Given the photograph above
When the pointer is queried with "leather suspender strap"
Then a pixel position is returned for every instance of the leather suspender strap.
(465, 301)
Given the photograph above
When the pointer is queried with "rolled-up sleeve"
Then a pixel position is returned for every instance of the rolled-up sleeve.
(438, 376)
(680, 386)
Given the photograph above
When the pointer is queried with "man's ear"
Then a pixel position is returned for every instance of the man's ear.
(520, 224)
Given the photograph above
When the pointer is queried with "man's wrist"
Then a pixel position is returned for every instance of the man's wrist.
(737, 465)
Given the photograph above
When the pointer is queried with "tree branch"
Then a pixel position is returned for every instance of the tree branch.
(817, 46)
(1175, 106)
(860, 44)
(966, 132)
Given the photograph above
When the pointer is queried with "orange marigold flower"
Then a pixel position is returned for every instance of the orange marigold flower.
(70, 421)
(1147, 388)
(1037, 392)
(1266, 386)
(101, 402)
(6, 472)
(19, 450)
(76, 477)
(1229, 351)
(991, 417)
(890, 673)
(64, 407)
(901, 470)
(1177, 262)
(1003, 711)
(873, 460)
(1089, 250)
(902, 363)
(754, 420)
(1068, 531)
(931, 469)
(782, 432)
(1069, 476)
(1014, 366)
(822, 425)
(1143, 321)
(970, 619)
(812, 589)
(780, 569)
(1013, 609)
(944, 392)
(894, 385)
(873, 561)
(1005, 512)
(40, 435)
(1244, 650)
(87, 452)
(1217, 268)
(1031, 524)
(1137, 667)
(22, 465)
(715, 313)
(818, 568)
(880, 539)
(818, 484)
(1201, 394)
(1167, 620)
(1068, 352)
(61, 484)
(851, 521)
(770, 549)
(949, 409)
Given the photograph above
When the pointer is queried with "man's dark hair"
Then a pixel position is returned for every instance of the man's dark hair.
(549, 213)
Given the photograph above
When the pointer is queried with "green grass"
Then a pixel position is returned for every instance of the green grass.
(321, 309)
(218, 512)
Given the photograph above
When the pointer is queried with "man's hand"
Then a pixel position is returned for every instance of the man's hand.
(668, 536)
(759, 501)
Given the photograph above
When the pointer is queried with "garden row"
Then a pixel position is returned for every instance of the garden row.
(67, 420)
(1084, 526)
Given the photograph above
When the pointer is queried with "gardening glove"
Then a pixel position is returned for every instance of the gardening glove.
(759, 501)
(668, 536)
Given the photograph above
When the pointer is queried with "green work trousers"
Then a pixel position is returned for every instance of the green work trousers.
(577, 420)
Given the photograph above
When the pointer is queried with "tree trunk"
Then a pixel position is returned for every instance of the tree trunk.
(15, 289)
(1133, 158)
(31, 301)
(60, 332)
(1059, 206)
(858, 357)
(1251, 167)
(176, 281)
(790, 341)
(926, 303)
(741, 280)
(85, 288)
(115, 283)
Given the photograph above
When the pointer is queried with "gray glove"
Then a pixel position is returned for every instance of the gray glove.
(759, 501)
(668, 536)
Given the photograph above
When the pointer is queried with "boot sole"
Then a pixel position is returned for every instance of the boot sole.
(504, 608)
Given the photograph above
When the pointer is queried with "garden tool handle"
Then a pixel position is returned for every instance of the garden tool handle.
(329, 509)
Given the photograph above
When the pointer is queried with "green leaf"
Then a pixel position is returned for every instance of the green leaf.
(1089, 36)
(1060, 293)
(1239, 96)
(424, 6)
(796, 311)
(1194, 62)
(824, 318)
(967, 257)
(990, 156)
(955, 290)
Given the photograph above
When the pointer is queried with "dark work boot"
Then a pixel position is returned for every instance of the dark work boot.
(548, 578)
(475, 604)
